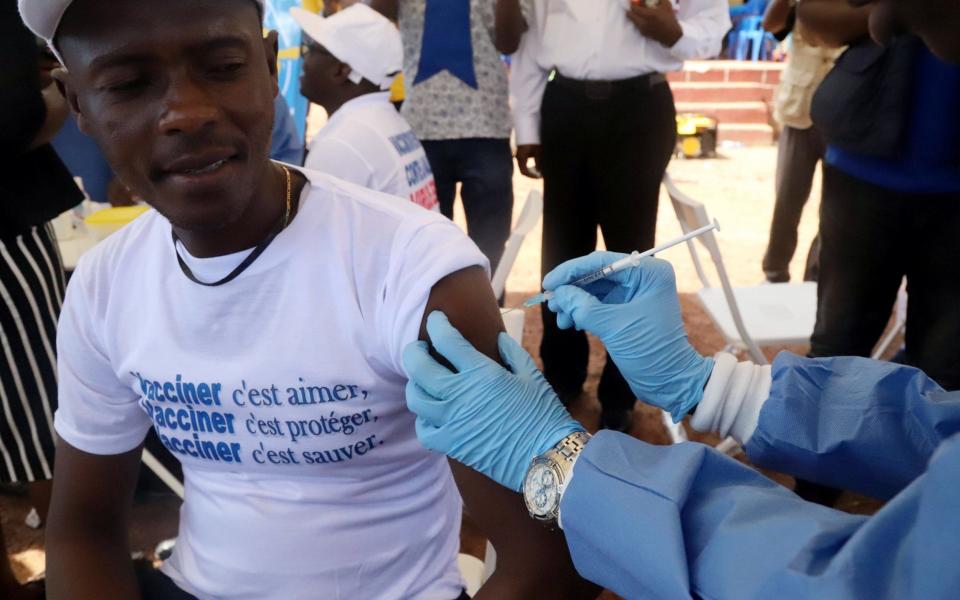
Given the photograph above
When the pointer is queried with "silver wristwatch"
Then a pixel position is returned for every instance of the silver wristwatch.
(548, 475)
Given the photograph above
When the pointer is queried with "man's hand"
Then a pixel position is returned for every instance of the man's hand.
(508, 26)
(636, 314)
(658, 23)
(525, 153)
(484, 416)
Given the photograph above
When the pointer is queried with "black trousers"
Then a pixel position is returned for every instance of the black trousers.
(603, 158)
(484, 169)
(798, 152)
(872, 237)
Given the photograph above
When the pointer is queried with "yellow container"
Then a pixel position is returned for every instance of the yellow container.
(104, 222)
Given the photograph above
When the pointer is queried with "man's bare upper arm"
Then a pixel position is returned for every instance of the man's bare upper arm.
(532, 562)
(99, 487)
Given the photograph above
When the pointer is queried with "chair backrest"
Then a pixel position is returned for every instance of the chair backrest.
(752, 23)
(529, 217)
(693, 215)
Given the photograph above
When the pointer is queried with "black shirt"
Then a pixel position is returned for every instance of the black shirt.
(35, 186)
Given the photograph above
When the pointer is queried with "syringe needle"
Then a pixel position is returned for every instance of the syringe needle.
(623, 263)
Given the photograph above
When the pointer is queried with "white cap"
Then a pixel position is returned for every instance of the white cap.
(360, 37)
(43, 17)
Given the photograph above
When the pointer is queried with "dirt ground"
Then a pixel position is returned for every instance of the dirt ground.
(737, 190)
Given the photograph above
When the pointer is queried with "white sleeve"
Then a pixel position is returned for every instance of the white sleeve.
(528, 80)
(734, 396)
(96, 413)
(422, 254)
(335, 157)
(704, 23)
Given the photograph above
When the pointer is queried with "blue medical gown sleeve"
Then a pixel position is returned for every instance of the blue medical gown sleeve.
(674, 521)
(852, 423)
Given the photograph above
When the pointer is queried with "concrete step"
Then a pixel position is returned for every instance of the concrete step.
(698, 91)
(749, 134)
(729, 112)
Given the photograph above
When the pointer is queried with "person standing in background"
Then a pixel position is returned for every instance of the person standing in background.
(601, 132)
(891, 192)
(891, 187)
(350, 59)
(800, 146)
(457, 104)
(35, 187)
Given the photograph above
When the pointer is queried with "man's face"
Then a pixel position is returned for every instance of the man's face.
(936, 21)
(179, 95)
(322, 73)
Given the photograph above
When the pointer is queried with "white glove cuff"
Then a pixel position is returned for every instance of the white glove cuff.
(733, 398)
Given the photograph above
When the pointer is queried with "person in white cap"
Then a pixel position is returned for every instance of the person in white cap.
(349, 60)
(256, 320)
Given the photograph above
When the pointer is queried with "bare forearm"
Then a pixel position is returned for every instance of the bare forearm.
(775, 19)
(509, 26)
(88, 553)
(833, 22)
(532, 562)
(87, 565)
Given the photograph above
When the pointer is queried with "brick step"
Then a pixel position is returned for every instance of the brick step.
(728, 71)
(750, 134)
(687, 91)
(729, 112)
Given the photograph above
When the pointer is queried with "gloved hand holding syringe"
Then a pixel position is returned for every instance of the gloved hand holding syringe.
(628, 262)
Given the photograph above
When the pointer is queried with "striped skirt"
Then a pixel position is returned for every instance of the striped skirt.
(31, 291)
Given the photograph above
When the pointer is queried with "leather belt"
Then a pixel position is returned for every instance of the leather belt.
(600, 89)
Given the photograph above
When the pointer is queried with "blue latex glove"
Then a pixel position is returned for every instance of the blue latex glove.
(636, 314)
(484, 416)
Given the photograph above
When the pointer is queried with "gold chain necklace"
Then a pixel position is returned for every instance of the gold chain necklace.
(255, 254)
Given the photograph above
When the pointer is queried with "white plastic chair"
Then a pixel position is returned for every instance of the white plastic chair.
(899, 324)
(162, 473)
(748, 317)
(772, 314)
(529, 217)
(471, 569)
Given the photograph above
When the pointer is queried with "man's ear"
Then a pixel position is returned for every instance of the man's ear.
(343, 72)
(271, 47)
(62, 78)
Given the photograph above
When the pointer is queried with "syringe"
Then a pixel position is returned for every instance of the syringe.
(626, 262)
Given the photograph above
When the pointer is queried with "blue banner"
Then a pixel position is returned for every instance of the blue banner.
(447, 45)
(278, 17)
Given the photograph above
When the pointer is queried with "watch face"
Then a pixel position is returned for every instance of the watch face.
(541, 489)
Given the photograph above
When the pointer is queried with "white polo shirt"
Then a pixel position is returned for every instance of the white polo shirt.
(367, 142)
(282, 394)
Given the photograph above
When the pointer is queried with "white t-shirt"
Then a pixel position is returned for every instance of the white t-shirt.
(281, 392)
(366, 141)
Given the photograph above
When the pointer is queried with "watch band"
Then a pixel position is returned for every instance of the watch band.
(571, 446)
(561, 459)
